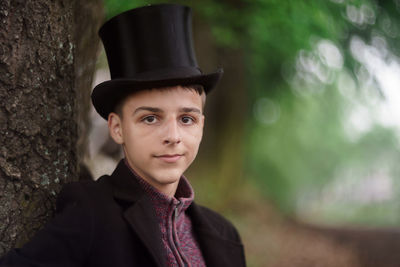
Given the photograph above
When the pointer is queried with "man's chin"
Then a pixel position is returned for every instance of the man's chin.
(168, 180)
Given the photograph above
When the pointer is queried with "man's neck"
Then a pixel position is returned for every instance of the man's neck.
(166, 189)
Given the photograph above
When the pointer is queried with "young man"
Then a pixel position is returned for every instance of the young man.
(143, 214)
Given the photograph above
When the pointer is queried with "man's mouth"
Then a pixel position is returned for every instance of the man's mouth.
(169, 158)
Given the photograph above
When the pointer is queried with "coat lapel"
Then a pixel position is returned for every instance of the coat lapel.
(142, 220)
(139, 212)
(217, 249)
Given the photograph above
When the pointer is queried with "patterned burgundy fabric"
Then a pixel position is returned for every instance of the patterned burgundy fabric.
(176, 227)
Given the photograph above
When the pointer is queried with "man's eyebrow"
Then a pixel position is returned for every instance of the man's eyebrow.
(151, 109)
(185, 109)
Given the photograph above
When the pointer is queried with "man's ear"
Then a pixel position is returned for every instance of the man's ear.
(115, 128)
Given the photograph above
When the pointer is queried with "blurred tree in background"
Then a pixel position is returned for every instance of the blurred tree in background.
(324, 134)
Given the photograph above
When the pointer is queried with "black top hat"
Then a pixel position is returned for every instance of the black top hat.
(149, 47)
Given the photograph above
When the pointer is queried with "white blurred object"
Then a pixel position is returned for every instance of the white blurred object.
(104, 154)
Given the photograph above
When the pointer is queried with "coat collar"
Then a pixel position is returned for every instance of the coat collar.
(140, 215)
(139, 212)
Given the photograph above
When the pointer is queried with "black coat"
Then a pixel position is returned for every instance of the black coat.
(111, 222)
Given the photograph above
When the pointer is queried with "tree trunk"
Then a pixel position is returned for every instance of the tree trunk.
(221, 153)
(46, 62)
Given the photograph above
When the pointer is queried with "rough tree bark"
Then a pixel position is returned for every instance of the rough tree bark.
(47, 54)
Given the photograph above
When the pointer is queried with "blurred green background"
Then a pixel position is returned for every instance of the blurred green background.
(305, 123)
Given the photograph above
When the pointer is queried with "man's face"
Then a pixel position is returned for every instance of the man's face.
(160, 132)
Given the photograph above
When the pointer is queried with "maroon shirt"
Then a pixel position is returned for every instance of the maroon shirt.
(182, 248)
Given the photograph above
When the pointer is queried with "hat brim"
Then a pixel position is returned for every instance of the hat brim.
(106, 95)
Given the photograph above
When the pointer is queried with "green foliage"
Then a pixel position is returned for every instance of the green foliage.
(301, 148)
(302, 151)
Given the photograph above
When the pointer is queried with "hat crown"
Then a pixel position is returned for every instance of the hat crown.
(149, 39)
(149, 47)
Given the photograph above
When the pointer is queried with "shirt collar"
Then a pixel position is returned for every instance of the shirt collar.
(182, 199)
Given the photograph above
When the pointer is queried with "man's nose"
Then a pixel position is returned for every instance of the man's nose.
(172, 133)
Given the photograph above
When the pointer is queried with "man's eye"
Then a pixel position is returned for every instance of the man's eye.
(187, 120)
(150, 119)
